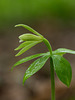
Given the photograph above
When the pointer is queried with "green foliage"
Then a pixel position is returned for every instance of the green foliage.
(62, 51)
(29, 58)
(62, 69)
(35, 66)
(57, 61)
(61, 65)
(29, 28)
(27, 47)
(24, 44)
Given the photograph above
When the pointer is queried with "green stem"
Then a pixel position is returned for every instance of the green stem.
(51, 69)
(48, 45)
(52, 79)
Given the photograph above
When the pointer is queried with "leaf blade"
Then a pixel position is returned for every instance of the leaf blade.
(63, 51)
(34, 67)
(28, 59)
(24, 44)
(29, 28)
(62, 69)
(27, 48)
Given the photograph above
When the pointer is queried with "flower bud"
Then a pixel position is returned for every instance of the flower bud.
(30, 37)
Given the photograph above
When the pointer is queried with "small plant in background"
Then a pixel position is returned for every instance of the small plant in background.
(57, 62)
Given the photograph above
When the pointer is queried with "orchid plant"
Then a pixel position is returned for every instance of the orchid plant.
(57, 62)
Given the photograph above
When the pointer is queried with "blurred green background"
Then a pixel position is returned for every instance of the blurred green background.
(31, 10)
(55, 19)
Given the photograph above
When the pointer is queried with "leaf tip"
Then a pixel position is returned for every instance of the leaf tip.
(15, 26)
(15, 49)
(11, 69)
(19, 25)
(16, 55)
(23, 81)
(68, 84)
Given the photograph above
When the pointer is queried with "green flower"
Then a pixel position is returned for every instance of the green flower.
(29, 40)
(30, 37)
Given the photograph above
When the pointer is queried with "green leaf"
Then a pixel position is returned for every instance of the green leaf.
(35, 66)
(29, 58)
(62, 51)
(29, 28)
(63, 69)
(27, 47)
(24, 44)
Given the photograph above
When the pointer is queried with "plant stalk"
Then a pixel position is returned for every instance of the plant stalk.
(51, 69)
(48, 45)
(52, 79)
